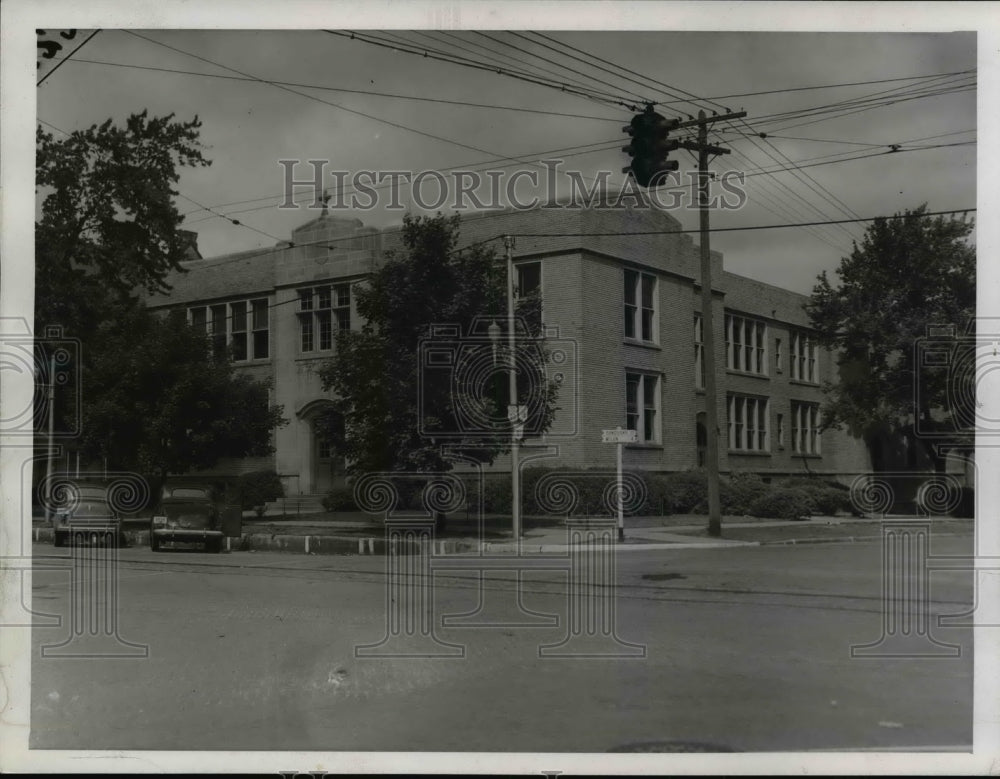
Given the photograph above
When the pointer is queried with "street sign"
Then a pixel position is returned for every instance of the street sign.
(517, 414)
(619, 436)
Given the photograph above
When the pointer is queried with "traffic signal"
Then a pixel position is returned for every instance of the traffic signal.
(649, 147)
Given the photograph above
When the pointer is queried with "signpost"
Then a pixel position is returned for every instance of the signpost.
(620, 436)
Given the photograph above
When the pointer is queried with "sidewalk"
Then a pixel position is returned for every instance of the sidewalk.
(359, 535)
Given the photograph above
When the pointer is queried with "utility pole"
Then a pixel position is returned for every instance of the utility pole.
(515, 412)
(702, 147)
(708, 334)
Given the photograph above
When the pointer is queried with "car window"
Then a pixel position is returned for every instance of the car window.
(188, 492)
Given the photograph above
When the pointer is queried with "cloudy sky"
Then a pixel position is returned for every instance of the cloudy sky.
(346, 101)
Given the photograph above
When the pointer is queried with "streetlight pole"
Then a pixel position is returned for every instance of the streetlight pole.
(51, 447)
(513, 409)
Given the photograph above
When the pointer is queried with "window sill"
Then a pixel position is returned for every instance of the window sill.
(802, 383)
(748, 453)
(800, 455)
(318, 355)
(748, 374)
(250, 363)
(644, 445)
(643, 344)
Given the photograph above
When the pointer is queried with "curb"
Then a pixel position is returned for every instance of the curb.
(374, 545)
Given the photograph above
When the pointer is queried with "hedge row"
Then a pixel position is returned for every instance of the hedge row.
(676, 493)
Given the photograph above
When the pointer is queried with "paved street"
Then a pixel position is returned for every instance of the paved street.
(746, 649)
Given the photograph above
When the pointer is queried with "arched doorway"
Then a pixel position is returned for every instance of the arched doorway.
(324, 466)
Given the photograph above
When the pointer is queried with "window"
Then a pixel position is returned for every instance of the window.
(528, 281)
(747, 420)
(746, 345)
(529, 278)
(804, 358)
(323, 311)
(777, 355)
(640, 306)
(699, 352)
(781, 431)
(240, 326)
(642, 405)
(805, 428)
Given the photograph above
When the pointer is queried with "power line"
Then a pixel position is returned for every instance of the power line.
(62, 60)
(831, 140)
(737, 229)
(504, 163)
(181, 194)
(319, 100)
(483, 51)
(695, 101)
(631, 92)
(865, 157)
(462, 103)
(836, 86)
(880, 99)
(491, 68)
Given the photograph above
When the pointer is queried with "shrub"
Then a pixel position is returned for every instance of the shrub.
(740, 492)
(782, 503)
(684, 491)
(260, 487)
(826, 497)
(340, 499)
(829, 501)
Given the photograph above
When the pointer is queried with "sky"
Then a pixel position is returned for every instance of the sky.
(248, 126)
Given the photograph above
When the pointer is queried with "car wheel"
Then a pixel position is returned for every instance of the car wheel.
(154, 542)
(214, 545)
(58, 539)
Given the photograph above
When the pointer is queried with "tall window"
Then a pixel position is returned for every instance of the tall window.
(528, 281)
(746, 345)
(699, 352)
(747, 419)
(642, 405)
(777, 355)
(805, 428)
(322, 312)
(640, 306)
(241, 326)
(781, 430)
(803, 358)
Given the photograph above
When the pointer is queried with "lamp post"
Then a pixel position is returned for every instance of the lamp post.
(516, 413)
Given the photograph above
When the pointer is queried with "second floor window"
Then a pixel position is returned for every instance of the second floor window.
(640, 306)
(746, 345)
(241, 326)
(322, 312)
(804, 358)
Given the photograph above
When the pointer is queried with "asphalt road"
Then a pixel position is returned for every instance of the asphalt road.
(746, 649)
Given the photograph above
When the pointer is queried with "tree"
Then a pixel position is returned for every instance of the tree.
(389, 410)
(909, 272)
(153, 398)
(108, 223)
(159, 403)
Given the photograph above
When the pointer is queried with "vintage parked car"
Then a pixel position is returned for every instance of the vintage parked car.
(87, 514)
(192, 513)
